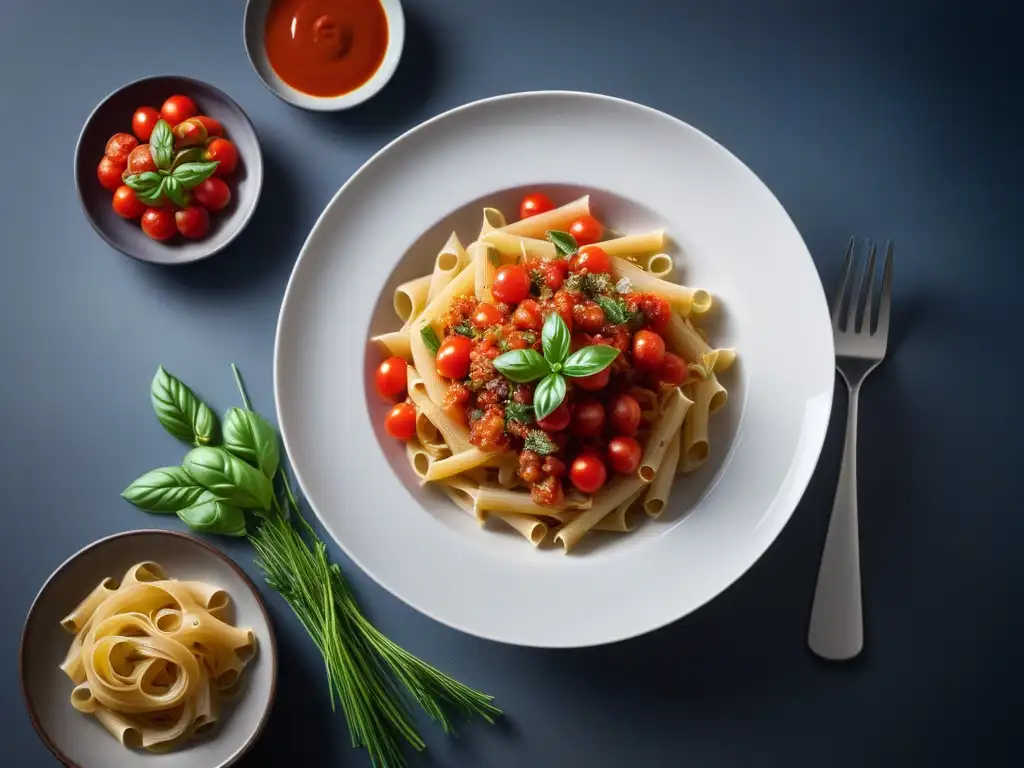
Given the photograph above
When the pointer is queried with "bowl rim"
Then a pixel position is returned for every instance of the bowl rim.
(188, 81)
(45, 737)
(395, 15)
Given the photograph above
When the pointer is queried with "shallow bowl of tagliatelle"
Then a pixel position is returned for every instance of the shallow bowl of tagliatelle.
(148, 648)
(520, 403)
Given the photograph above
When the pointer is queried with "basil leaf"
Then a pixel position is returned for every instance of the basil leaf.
(464, 329)
(161, 144)
(153, 196)
(212, 515)
(163, 490)
(522, 365)
(494, 257)
(518, 412)
(616, 311)
(589, 360)
(191, 174)
(176, 192)
(228, 477)
(143, 183)
(548, 395)
(564, 242)
(430, 339)
(179, 410)
(251, 438)
(554, 339)
(190, 155)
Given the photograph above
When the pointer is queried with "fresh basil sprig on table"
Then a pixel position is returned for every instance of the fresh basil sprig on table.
(365, 670)
(525, 365)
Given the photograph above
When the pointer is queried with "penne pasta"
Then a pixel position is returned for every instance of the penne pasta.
(708, 396)
(658, 491)
(449, 260)
(669, 422)
(395, 343)
(484, 259)
(635, 245)
(456, 464)
(464, 494)
(608, 498)
(419, 458)
(557, 219)
(680, 297)
(660, 265)
(455, 435)
(411, 297)
(513, 246)
(619, 520)
(493, 219)
(684, 339)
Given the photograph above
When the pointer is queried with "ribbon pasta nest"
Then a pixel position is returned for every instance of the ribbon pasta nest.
(153, 656)
(554, 377)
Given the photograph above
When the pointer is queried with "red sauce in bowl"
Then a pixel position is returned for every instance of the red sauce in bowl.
(326, 47)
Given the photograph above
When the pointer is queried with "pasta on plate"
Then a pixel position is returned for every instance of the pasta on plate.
(555, 378)
(152, 657)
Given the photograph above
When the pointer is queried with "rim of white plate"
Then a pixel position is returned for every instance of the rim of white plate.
(798, 482)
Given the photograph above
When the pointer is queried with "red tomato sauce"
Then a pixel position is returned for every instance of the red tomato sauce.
(326, 47)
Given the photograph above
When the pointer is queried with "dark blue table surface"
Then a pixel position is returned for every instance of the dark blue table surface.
(886, 120)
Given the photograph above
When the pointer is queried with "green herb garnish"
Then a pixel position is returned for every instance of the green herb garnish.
(519, 412)
(429, 336)
(564, 242)
(365, 670)
(538, 441)
(526, 365)
(465, 328)
(616, 311)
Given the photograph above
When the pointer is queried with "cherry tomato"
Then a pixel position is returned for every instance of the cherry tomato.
(624, 455)
(564, 306)
(673, 369)
(212, 125)
(587, 418)
(109, 172)
(143, 121)
(591, 258)
(400, 422)
(224, 152)
(594, 381)
(126, 204)
(511, 284)
(624, 415)
(586, 230)
(534, 203)
(391, 377)
(656, 311)
(141, 160)
(120, 146)
(189, 133)
(588, 473)
(178, 108)
(453, 357)
(486, 315)
(527, 316)
(648, 350)
(193, 221)
(213, 194)
(158, 223)
(557, 420)
(589, 318)
(553, 272)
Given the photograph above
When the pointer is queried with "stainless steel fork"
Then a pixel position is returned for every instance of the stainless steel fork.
(837, 626)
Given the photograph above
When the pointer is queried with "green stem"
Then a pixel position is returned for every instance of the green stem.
(241, 387)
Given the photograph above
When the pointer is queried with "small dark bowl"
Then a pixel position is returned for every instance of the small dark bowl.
(113, 115)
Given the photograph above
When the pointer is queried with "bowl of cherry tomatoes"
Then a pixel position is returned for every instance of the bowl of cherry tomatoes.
(168, 169)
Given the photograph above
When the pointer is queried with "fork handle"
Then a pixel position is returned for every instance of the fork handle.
(837, 627)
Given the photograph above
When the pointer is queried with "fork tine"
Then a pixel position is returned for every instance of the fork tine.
(856, 294)
(867, 282)
(837, 303)
(885, 297)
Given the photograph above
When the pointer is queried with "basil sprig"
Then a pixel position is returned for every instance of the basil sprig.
(215, 484)
(564, 242)
(525, 365)
(173, 180)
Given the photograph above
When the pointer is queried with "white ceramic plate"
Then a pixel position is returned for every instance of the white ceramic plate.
(79, 740)
(644, 169)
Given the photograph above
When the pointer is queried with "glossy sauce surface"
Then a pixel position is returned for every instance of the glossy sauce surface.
(326, 47)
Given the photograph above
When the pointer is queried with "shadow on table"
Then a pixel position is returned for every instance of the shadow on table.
(399, 103)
